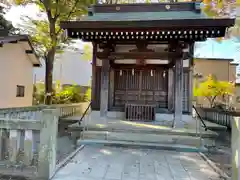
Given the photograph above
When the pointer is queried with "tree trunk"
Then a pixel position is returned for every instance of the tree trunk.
(49, 77)
(49, 60)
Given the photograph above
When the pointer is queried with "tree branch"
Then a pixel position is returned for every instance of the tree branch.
(57, 9)
(69, 15)
(213, 99)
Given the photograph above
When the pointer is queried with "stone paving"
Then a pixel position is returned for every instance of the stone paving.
(116, 163)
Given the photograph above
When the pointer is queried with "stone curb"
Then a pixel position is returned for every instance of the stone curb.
(214, 167)
(132, 144)
(66, 160)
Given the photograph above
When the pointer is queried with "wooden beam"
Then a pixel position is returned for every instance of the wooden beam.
(147, 66)
(141, 55)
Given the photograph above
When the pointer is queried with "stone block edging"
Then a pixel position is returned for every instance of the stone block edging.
(66, 160)
(214, 167)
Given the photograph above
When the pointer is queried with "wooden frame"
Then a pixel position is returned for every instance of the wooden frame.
(140, 55)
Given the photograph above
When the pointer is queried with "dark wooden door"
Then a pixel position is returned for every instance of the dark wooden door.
(143, 86)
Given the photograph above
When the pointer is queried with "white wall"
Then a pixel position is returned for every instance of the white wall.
(74, 69)
(15, 69)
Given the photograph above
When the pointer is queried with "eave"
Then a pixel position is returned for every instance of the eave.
(153, 22)
(164, 34)
(161, 30)
(146, 24)
(26, 42)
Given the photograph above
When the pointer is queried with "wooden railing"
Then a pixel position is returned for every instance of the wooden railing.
(218, 116)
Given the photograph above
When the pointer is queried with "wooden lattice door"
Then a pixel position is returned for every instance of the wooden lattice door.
(142, 86)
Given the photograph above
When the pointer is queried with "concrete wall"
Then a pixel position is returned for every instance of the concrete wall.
(16, 69)
(237, 96)
(221, 68)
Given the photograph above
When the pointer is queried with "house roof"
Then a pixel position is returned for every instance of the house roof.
(185, 18)
(216, 59)
(26, 41)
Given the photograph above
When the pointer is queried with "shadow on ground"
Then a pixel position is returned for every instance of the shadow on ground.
(221, 153)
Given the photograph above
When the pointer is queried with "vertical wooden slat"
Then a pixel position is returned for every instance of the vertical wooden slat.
(141, 87)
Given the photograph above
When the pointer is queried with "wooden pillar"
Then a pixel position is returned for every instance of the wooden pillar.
(111, 89)
(191, 74)
(178, 101)
(104, 88)
(235, 148)
(190, 92)
(170, 89)
(93, 83)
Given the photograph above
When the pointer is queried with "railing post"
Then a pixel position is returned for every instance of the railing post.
(1, 145)
(48, 143)
(14, 145)
(28, 147)
(235, 148)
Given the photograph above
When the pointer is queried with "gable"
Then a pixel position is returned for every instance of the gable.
(25, 45)
(14, 54)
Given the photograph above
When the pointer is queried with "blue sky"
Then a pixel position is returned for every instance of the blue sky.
(229, 49)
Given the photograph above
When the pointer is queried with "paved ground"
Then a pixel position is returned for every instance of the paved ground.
(221, 154)
(112, 163)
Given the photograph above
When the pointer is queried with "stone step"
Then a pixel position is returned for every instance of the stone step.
(147, 138)
(169, 147)
(142, 130)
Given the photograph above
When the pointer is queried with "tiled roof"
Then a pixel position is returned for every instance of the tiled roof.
(142, 16)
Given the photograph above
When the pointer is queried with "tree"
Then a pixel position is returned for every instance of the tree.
(62, 95)
(223, 8)
(48, 35)
(211, 88)
(5, 24)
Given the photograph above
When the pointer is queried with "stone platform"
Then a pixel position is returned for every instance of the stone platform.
(159, 132)
(114, 163)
